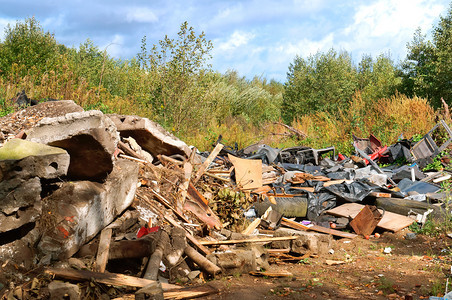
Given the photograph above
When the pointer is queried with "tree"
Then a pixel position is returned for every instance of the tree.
(442, 39)
(427, 70)
(418, 68)
(378, 79)
(180, 66)
(322, 82)
(27, 45)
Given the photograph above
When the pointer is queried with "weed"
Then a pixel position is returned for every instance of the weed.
(304, 261)
(386, 285)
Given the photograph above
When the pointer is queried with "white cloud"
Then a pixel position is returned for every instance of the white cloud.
(115, 47)
(141, 15)
(386, 24)
(236, 40)
(3, 23)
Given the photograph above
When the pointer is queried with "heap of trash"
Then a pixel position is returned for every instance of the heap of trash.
(118, 201)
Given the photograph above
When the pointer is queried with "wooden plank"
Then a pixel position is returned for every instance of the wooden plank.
(282, 273)
(190, 292)
(103, 250)
(208, 161)
(248, 172)
(188, 169)
(257, 240)
(304, 188)
(390, 221)
(106, 278)
(298, 226)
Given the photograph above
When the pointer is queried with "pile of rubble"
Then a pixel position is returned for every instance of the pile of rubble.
(95, 205)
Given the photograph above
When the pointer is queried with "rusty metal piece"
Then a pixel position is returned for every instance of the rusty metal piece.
(367, 219)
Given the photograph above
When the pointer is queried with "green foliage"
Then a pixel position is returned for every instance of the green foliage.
(378, 79)
(181, 72)
(27, 44)
(427, 70)
(322, 82)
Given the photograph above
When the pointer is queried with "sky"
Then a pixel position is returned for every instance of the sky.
(253, 37)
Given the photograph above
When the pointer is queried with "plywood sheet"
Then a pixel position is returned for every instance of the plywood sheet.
(390, 221)
(248, 172)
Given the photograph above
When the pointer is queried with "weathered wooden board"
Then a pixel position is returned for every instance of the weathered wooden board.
(390, 221)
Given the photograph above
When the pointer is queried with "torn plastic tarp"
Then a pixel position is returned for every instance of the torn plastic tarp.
(353, 192)
(406, 185)
(310, 205)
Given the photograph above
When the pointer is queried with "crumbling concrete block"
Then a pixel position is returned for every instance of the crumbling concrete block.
(18, 247)
(25, 159)
(26, 118)
(89, 137)
(234, 262)
(64, 290)
(77, 211)
(150, 136)
(308, 241)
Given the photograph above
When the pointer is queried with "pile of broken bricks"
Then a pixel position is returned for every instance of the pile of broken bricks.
(89, 200)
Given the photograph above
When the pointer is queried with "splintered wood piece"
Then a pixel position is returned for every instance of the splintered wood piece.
(272, 274)
(190, 292)
(249, 230)
(208, 161)
(248, 172)
(188, 169)
(257, 240)
(106, 278)
(103, 250)
(295, 225)
(167, 205)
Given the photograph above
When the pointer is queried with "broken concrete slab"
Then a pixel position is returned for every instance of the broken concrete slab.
(89, 137)
(77, 211)
(150, 136)
(26, 118)
(307, 241)
(64, 290)
(25, 159)
(234, 262)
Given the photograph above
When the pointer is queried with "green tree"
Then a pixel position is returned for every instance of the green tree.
(181, 67)
(378, 79)
(442, 39)
(27, 45)
(427, 70)
(322, 82)
(418, 68)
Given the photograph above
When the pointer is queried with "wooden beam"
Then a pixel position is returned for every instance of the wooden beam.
(208, 161)
(106, 278)
(103, 249)
(298, 226)
(256, 240)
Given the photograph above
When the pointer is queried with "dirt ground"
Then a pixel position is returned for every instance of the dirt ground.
(414, 269)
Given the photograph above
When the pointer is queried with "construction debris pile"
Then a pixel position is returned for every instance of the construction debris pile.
(96, 205)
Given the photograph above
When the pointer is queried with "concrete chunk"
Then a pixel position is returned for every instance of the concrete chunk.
(78, 211)
(313, 242)
(150, 136)
(25, 159)
(234, 262)
(89, 137)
